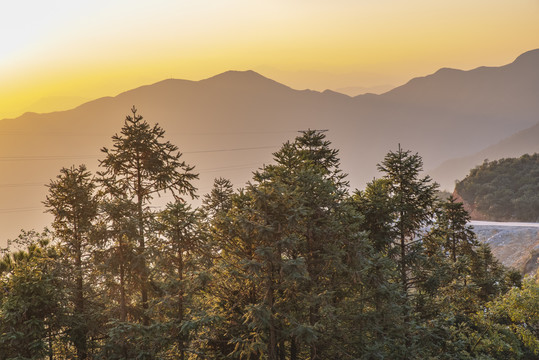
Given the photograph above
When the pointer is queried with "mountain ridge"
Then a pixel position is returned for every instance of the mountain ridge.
(219, 112)
(526, 57)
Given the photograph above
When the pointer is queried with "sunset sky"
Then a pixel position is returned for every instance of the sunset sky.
(67, 51)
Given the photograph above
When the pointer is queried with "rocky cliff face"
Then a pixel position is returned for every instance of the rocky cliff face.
(516, 245)
(470, 208)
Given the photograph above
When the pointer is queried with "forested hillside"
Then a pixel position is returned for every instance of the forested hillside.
(504, 190)
(291, 266)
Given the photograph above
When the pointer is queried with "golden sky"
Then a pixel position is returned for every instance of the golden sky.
(58, 53)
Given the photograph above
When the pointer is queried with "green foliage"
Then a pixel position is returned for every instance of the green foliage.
(285, 252)
(139, 166)
(505, 189)
(73, 203)
(412, 200)
(30, 300)
(289, 267)
(518, 311)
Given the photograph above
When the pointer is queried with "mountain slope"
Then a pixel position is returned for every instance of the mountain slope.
(476, 108)
(523, 142)
(244, 110)
(516, 245)
(475, 90)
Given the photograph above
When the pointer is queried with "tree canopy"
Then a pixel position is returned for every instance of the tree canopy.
(504, 190)
(291, 266)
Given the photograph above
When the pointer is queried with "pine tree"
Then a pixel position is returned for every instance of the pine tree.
(179, 257)
(141, 165)
(378, 310)
(413, 200)
(73, 203)
(289, 242)
(218, 200)
(451, 246)
(116, 257)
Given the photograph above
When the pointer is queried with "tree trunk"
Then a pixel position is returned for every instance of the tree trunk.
(312, 320)
(282, 351)
(293, 349)
(51, 352)
(123, 301)
(181, 337)
(272, 346)
(142, 253)
(81, 332)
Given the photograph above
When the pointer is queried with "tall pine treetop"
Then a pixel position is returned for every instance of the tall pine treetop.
(142, 163)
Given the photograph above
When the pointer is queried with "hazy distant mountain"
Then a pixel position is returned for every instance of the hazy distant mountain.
(55, 103)
(360, 90)
(523, 142)
(229, 125)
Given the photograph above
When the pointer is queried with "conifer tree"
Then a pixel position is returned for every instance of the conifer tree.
(452, 245)
(141, 165)
(325, 234)
(296, 240)
(378, 303)
(289, 267)
(413, 200)
(218, 200)
(73, 203)
(178, 258)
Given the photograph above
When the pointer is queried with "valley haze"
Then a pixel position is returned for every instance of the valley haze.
(229, 125)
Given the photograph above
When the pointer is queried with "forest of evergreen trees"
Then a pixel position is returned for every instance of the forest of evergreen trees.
(504, 190)
(291, 266)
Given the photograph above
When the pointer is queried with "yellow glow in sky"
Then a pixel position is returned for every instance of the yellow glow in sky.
(84, 50)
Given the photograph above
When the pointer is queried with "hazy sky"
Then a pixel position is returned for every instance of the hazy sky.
(88, 49)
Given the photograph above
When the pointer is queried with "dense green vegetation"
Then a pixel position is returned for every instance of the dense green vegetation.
(292, 266)
(504, 190)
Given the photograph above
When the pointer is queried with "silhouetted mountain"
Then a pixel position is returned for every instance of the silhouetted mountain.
(442, 116)
(360, 90)
(475, 108)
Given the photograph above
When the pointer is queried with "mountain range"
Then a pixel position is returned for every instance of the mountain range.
(230, 124)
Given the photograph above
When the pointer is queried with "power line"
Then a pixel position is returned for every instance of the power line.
(16, 210)
(98, 134)
(200, 171)
(317, 130)
(45, 157)
(236, 149)
(62, 157)
(20, 185)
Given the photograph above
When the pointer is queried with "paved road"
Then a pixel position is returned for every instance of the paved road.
(497, 223)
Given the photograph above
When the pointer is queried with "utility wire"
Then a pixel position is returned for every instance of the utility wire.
(223, 150)
(16, 210)
(200, 171)
(75, 133)
(20, 185)
(65, 157)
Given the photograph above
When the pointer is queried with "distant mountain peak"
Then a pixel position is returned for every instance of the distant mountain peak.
(531, 56)
(247, 78)
(239, 75)
(447, 70)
